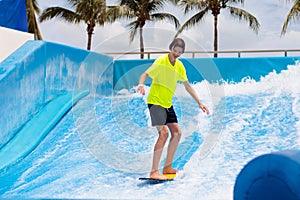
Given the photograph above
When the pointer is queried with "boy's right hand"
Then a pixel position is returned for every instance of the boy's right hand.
(141, 89)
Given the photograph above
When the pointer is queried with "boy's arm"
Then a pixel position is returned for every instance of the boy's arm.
(140, 87)
(193, 93)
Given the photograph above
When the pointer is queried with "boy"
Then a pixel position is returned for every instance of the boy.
(165, 72)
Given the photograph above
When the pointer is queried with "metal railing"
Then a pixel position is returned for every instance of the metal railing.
(193, 54)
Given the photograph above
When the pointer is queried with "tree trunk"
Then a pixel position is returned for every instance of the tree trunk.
(142, 50)
(90, 30)
(89, 43)
(215, 35)
(32, 22)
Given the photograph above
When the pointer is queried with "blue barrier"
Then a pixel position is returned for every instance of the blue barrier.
(127, 72)
(272, 176)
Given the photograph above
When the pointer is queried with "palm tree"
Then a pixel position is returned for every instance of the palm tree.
(141, 11)
(91, 12)
(215, 6)
(293, 15)
(31, 9)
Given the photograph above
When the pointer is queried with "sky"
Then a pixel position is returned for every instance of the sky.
(233, 34)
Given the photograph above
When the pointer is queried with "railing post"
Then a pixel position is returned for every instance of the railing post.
(285, 53)
(239, 54)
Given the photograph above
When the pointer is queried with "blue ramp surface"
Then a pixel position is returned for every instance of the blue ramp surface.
(38, 127)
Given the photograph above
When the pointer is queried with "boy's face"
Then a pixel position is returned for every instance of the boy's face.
(177, 51)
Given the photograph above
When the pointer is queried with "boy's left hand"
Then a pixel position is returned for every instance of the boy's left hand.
(204, 109)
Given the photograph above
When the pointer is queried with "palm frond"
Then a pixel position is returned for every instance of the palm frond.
(244, 15)
(115, 12)
(133, 27)
(95, 11)
(190, 5)
(198, 17)
(154, 5)
(294, 14)
(74, 3)
(233, 2)
(132, 4)
(63, 13)
(175, 2)
(166, 16)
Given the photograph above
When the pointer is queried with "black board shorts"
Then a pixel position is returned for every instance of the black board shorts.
(162, 116)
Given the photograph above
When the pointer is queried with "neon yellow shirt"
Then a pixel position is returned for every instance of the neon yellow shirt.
(164, 80)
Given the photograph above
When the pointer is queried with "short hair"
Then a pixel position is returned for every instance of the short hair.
(177, 42)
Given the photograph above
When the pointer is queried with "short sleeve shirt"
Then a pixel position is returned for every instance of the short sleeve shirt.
(164, 77)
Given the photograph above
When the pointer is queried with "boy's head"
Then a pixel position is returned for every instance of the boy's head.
(177, 42)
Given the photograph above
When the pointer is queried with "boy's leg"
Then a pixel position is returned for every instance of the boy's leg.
(158, 149)
(175, 137)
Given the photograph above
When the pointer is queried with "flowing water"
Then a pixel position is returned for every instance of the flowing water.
(101, 147)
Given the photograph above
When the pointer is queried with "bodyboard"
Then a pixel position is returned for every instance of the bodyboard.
(153, 181)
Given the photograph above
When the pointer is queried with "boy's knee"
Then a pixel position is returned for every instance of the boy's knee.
(177, 134)
(163, 132)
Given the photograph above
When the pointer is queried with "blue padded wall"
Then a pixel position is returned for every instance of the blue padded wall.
(272, 176)
(13, 14)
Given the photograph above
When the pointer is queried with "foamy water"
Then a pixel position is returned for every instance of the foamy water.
(101, 148)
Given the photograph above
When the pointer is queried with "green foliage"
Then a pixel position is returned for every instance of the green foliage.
(294, 14)
(91, 12)
(140, 11)
(203, 7)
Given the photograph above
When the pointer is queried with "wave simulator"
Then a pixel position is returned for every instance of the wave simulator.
(73, 126)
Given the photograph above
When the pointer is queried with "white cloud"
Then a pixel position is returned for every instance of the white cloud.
(111, 37)
(62, 32)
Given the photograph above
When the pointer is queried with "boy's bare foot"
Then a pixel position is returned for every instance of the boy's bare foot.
(157, 176)
(169, 170)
